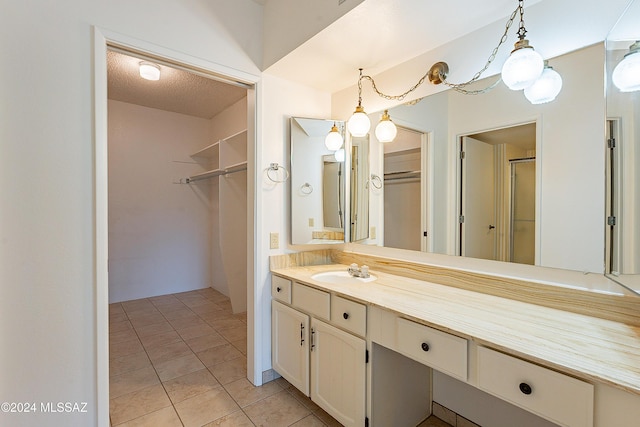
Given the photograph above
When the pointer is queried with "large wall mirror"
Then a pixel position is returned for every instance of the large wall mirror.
(493, 176)
(623, 150)
(329, 188)
(318, 184)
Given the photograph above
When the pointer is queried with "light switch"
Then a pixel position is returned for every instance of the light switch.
(372, 233)
(310, 222)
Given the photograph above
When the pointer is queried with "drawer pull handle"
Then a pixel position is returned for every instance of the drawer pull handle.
(425, 346)
(525, 388)
(345, 315)
(278, 289)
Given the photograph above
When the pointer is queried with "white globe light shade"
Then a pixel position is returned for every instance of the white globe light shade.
(626, 75)
(339, 155)
(149, 71)
(522, 68)
(546, 88)
(386, 130)
(359, 124)
(333, 140)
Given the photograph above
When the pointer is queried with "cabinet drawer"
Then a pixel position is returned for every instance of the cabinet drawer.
(349, 315)
(561, 399)
(440, 350)
(311, 300)
(281, 289)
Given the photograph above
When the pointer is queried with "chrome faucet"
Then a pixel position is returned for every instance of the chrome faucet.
(362, 272)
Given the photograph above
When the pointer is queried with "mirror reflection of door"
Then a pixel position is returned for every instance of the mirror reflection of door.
(497, 194)
(332, 194)
(359, 188)
(403, 198)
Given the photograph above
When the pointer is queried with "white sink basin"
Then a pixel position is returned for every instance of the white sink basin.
(341, 277)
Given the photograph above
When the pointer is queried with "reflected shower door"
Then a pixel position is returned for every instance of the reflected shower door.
(523, 211)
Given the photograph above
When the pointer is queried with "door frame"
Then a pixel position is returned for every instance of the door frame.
(102, 39)
(426, 182)
(456, 181)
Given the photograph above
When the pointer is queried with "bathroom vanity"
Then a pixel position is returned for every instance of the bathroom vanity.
(365, 349)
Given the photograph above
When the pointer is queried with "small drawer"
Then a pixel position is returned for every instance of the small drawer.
(349, 315)
(281, 289)
(311, 300)
(559, 398)
(440, 350)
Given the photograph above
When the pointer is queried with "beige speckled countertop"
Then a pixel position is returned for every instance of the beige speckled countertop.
(577, 344)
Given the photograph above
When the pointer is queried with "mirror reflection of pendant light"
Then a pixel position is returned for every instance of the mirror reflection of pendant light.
(149, 71)
(339, 155)
(626, 75)
(386, 130)
(333, 140)
(546, 88)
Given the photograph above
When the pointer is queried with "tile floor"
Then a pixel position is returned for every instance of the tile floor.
(180, 360)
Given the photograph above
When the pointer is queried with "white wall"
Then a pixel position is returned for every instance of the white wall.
(289, 23)
(47, 231)
(159, 231)
(279, 100)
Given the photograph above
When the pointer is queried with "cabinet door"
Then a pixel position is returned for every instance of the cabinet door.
(290, 345)
(338, 373)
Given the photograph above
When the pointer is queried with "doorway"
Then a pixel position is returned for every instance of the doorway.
(496, 194)
(198, 66)
(405, 194)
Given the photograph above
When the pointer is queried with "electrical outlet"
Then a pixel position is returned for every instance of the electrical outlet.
(274, 241)
(372, 233)
(310, 222)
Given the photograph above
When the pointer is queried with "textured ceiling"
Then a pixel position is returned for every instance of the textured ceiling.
(177, 91)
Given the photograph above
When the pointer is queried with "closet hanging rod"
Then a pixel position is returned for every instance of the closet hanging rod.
(391, 176)
(210, 174)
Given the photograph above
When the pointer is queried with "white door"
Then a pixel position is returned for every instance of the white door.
(338, 373)
(290, 345)
(477, 231)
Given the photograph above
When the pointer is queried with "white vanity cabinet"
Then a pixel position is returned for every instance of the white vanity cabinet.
(319, 356)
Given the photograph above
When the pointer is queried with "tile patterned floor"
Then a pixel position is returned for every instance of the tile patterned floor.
(180, 360)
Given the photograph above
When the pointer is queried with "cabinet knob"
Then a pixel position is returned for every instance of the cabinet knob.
(525, 388)
(425, 346)
(345, 315)
(278, 289)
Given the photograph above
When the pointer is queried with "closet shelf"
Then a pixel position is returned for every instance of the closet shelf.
(208, 151)
(217, 172)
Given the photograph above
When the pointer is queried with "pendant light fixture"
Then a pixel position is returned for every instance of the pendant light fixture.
(333, 141)
(546, 88)
(359, 123)
(386, 130)
(522, 69)
(149, 71)
(626, 75)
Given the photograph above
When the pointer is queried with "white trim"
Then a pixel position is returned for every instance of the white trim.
(102, 39)
(101, 224)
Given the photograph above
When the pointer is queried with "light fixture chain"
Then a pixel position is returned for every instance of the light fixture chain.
(460, 86)
(522, 32)
(393, 97)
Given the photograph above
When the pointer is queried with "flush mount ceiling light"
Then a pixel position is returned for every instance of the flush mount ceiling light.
(333, 140)
(521, 70)
(149, 71)
(546, 87)
(626, 75)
